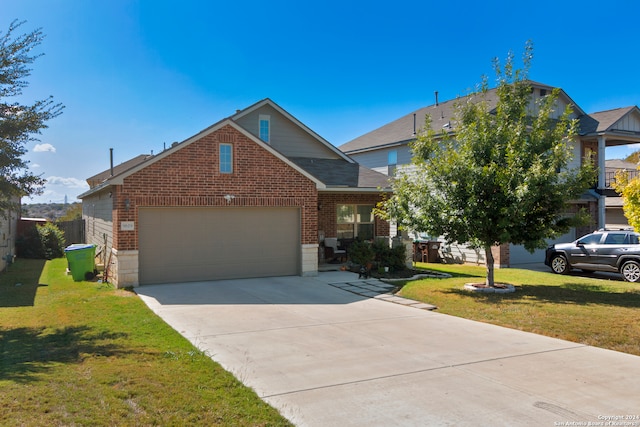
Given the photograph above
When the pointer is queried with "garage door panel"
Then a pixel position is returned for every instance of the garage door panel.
(188, 244)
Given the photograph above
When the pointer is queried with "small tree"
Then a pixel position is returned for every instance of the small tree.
(502, 176)
(19, 122)
(629, 189)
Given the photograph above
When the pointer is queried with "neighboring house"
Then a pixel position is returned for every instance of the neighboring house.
(253, 195)
(614, 213)
(8, 234)
(386, 150)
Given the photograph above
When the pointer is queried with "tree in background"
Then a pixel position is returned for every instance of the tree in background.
(633, 157)
(19, 122)
(501, 178)
(74, 211)
(629, 190)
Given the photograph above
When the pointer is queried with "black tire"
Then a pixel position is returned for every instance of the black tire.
(631, 271)
(559, 264)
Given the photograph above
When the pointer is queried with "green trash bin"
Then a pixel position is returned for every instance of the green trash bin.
(81, 260)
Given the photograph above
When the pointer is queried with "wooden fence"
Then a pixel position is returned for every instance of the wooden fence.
(73, 231)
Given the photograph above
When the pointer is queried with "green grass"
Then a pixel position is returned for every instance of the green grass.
(601, 313)
(84, 353)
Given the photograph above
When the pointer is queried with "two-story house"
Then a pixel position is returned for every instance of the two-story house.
(387, 148)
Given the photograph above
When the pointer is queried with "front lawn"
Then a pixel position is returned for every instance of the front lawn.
(601, 313)
(84, 353)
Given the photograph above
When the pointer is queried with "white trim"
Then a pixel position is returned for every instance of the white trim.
(225, 144)
(264, 118)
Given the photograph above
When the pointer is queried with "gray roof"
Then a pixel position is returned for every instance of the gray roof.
(602, 121)
(619, 164)
(404, 129)
(337, 173)
(343, 172)
(118, 169)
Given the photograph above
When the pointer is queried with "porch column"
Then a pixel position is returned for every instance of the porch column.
(601, 182)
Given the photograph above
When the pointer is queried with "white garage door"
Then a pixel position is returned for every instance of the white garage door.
(192, 244)
(519, 255)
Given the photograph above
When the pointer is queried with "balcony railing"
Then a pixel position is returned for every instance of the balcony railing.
(610, 177)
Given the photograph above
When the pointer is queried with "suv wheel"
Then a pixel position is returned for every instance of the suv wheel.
(631, 271)
(559, 264)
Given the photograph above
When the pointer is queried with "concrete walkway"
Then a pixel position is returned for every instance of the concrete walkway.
(327, 353)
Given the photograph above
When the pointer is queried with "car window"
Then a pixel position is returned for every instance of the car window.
(591, 239)
(632, 239)
(615, 239)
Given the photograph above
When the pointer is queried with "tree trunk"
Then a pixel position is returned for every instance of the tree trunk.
(489, 257)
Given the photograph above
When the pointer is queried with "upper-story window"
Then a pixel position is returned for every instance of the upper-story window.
(264, 122)
(226, 158)
(392, 162)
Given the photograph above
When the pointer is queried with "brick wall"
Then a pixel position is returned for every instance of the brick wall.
(190, 177)
(327, 214)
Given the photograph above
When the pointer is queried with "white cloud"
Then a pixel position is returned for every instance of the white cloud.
(41, 148)
(67, 182)
(34, 165)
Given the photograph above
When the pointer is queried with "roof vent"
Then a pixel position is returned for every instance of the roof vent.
(436, 93)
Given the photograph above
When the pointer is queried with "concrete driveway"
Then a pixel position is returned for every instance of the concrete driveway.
(332, 350)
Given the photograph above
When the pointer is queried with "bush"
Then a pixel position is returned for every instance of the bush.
(378, 252)
(386, 256)
(41, 242)
(361, 252)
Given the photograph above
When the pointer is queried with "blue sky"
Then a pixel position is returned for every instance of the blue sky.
(136, 75)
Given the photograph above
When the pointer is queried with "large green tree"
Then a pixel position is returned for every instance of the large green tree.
(500, 175)
(19, 122)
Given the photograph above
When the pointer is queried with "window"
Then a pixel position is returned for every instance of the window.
(226, 158)
(392, 161)
(591, 239)
(355, 221)
(264, 131)
(615, 239)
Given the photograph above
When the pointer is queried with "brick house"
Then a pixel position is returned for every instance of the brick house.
(253, 195)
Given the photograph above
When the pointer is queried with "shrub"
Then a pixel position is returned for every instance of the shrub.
(41, 242)
(361, 252)
(378, 252)
(386, 256)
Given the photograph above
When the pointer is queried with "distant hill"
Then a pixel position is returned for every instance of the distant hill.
(50, 211)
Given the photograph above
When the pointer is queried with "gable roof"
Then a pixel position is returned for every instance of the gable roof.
(335, 173)
(267, 101)
(620, 164)
(603, 121)
(122, 167)
(404, 129)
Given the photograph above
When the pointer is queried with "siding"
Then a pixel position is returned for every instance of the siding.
(629, 123)
(286, 136)
(8, 231)
(378, 160)
(97, 212)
